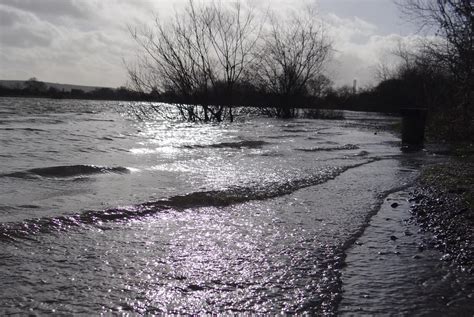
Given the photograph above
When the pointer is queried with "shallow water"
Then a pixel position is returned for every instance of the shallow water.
(103, 213)
(391, 269)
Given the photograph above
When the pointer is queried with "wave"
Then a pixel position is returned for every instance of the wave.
(362, 153)
(334, 148)
(213, 198)
(106, 138)
(98, 120)
(23, 129)
(295, 130)
(251, 144)
(32, 120)
(283, 136)
(67, 171)
(267, 154)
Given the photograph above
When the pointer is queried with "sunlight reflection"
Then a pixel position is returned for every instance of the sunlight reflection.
(164, 149)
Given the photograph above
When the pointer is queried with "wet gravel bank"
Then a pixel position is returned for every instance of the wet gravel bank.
(442, 204)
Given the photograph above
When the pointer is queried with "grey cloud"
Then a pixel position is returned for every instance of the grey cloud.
(83, 41)
(7, 18)
(22, 29)
(55, 8)
(24, 37)
(347, 66)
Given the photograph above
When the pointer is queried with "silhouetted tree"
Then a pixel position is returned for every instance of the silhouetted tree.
(291, 59)
(201, 48)
(213, 55)
(233, 34)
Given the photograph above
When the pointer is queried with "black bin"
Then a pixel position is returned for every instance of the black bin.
(413, 127)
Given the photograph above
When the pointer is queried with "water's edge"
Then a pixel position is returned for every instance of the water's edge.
(391, 267)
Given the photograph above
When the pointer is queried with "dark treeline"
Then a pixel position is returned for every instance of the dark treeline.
(415, 83)
(245, 94)
(39, 89)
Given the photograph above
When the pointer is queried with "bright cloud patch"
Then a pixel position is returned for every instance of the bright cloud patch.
(359, 50)
(86, 41)
(81, 42)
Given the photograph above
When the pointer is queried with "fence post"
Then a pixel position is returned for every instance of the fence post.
(413, 127)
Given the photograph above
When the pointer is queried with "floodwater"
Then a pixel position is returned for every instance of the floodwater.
(100, 212)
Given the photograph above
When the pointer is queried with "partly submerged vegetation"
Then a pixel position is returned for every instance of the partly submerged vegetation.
(215, 57)
(212, 58)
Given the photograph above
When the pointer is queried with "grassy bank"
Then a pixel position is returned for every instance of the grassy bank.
(443, 204)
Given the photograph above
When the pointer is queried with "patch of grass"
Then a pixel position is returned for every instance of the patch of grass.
(448, 127)
(396, 127)
(324, 114)
(465, 150)
(455, 177)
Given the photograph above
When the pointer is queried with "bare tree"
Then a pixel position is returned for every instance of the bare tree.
(293, 55)
(194, 54)
(383, 71)
(233, 33)
(175, 58)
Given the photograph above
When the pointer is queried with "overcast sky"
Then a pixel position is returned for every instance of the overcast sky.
(86, 41)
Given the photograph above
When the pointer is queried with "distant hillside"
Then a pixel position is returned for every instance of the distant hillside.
(34, 88)
(60, 87)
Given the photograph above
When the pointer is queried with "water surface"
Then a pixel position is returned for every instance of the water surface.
(100, 212)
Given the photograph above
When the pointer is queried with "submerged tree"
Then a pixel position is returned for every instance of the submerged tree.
(233, 34)
(291, 60)
(192, 56)
(214, 55)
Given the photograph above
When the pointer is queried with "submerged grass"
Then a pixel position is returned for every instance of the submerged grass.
(323, 114)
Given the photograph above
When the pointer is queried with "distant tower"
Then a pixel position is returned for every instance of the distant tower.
(354, 86)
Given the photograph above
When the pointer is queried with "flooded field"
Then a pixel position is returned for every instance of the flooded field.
(100, 212)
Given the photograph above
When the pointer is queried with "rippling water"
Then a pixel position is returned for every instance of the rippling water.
(100, 212)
